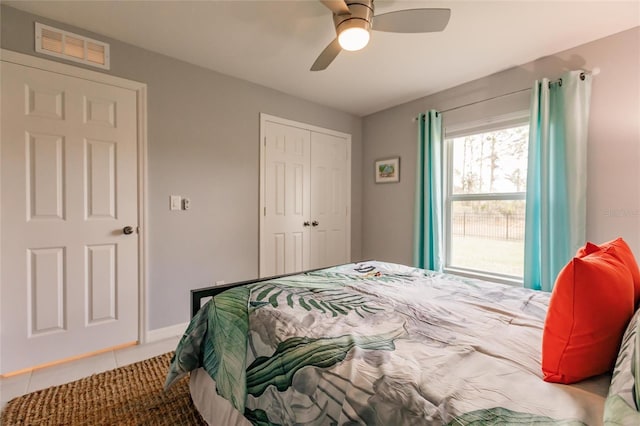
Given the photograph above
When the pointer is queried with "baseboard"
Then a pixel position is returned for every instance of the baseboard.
(166, 332)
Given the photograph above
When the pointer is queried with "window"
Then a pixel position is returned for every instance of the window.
(485, 187)
(74, 47)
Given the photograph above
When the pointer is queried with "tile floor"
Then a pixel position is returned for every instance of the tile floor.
(32, 381)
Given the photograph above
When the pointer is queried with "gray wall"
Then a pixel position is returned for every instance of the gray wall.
(203, 131)
(613, 203)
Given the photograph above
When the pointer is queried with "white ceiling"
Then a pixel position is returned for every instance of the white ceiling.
(274, 43)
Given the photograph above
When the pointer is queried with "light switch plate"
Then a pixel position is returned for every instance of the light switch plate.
(175, 202)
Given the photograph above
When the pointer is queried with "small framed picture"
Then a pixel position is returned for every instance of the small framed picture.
(388, 170)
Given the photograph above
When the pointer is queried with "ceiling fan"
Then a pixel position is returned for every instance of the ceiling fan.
(354, 19)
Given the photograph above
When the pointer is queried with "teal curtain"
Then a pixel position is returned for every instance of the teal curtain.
(557, 177)
(427, 240)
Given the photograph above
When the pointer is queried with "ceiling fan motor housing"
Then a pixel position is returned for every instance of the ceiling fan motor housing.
(361, 16)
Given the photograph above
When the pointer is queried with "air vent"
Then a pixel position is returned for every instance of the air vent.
(74, 47)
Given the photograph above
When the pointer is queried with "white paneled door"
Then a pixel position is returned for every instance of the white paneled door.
(286, 210)
(329, 202)
(304, 197)
(69, 190)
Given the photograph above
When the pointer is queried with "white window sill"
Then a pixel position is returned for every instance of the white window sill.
(502, 279)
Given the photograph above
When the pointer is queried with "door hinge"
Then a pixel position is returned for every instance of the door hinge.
(264, 211)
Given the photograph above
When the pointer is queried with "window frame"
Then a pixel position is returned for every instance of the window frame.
(516, 119)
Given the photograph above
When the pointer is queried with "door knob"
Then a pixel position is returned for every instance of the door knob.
(127, 230)
(315, 223)
(306, 223)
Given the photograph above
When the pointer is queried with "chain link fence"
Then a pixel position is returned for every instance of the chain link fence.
(495, 226)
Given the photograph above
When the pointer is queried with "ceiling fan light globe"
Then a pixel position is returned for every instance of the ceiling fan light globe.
(353, 38)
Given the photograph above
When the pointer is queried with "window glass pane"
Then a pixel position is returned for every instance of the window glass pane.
(74, 47)
(95, 53)
(490, 162)
(51, 41)
(488, 236)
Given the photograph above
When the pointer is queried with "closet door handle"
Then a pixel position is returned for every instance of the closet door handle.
(315, 223)
(306, 223)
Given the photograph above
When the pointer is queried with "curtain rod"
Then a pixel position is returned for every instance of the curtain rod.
(583, 74)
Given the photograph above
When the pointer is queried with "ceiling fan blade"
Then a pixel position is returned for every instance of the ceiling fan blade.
(327, 56)
(338, 7)
(412, 21)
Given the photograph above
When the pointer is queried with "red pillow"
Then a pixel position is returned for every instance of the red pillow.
(590, 306)
(624, 253)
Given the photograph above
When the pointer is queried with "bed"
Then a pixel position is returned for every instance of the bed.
(377, 343)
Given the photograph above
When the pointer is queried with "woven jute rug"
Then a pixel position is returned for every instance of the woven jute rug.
(130, 395)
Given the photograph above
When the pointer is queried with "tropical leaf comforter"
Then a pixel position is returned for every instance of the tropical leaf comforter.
(382, 344)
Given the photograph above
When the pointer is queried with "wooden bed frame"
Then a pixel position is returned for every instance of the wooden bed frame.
(198, 294)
